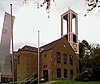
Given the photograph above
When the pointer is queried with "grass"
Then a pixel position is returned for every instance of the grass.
(74, 82)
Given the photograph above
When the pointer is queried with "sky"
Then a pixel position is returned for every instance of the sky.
(29, 20)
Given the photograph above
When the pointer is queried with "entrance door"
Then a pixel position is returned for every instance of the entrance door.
(45, 74)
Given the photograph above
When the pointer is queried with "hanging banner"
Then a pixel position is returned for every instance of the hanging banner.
(5, 58)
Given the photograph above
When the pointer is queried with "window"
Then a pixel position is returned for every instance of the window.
(71, 60)
(18, 60)
(65, 73)
(45, 66)
(74, 38)
(65, 58)
(58, 57)
(45, 55)
(58, 73)
(71, 74)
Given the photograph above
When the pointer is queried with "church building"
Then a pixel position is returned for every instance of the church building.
(57, 60)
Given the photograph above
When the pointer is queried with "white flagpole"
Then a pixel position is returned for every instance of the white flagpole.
(12, 48)
(38, 54)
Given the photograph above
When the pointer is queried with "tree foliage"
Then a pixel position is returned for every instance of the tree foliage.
(47, 2)
(89, 55)
(83, 49)
(92, 4)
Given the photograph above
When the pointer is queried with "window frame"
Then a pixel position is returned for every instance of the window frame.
(58, 57)
(71, 73)
(64, 58)
(45, 55)
(65, 73)
(18, 60)
(71, 59)
(58, 72)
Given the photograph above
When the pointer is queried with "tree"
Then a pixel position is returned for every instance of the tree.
(92, 4)
(47, 2)
(89, 59)
(84, 48)
(95, 61)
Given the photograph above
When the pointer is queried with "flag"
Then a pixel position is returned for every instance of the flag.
(5, 63)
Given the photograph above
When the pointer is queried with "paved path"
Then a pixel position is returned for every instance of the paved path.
(49, 82)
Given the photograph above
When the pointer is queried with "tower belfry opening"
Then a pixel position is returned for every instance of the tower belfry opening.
(71, 19)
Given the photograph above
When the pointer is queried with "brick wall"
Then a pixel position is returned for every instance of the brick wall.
(27, 66)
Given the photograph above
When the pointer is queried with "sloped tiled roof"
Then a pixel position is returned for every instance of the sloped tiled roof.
(51, 44)
(44, 47)
(29, 48)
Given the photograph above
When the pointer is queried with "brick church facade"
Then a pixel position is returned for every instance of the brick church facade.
(57, 60)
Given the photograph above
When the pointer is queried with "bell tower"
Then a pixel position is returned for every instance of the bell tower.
(70, 18)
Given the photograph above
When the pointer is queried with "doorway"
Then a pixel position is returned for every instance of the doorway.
(45, 75)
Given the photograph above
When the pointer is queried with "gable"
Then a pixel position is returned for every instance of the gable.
(63, 45)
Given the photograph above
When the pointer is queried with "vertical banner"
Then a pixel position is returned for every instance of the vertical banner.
(5, 45)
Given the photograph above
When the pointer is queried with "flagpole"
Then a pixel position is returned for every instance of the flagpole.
(13, 79)
(38, 54)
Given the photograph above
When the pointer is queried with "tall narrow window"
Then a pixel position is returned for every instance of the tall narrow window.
(58, 57)
(18, 60)
(65, 73)
(71, 60)
(65, 58)
(45, 55)
(71, 74)
(58, 73)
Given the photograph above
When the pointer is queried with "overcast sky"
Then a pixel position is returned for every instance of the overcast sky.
(29, 20)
